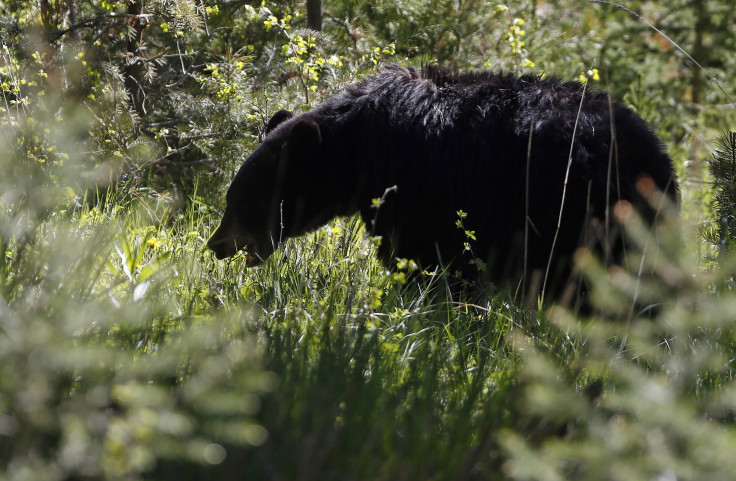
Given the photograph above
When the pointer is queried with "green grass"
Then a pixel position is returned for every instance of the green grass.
(370, 368)
(128, 352)
(127, 349)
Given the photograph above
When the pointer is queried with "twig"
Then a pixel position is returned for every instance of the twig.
(343, 23)
(711, 77)
(612, 157)
(165, 157)
(527, 220)
(57, 34)
(564, 192)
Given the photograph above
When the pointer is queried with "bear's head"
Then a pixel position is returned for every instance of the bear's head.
(270, 198)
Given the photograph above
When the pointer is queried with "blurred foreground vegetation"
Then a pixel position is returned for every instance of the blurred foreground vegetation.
(128, 352)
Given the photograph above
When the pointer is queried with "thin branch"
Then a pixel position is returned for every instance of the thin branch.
(345, 24)
(57, 34)
(671, 42)
(164, 159)
(165, 123)
(187, 163)
(564, 192)
(612, 159)
(526, 214)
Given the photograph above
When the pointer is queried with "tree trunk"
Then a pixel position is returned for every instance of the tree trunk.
(314, 14)
(702, 24)
(45, 10)
(133, 72)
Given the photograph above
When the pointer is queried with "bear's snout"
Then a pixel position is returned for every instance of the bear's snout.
(226, 242)
(222, 245)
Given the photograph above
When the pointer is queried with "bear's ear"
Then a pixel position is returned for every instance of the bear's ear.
(277, 118)
(304, 139)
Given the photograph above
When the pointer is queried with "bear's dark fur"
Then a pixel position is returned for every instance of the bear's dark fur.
(449, 143)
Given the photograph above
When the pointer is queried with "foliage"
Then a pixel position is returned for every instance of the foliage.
(722, 166)
(639, 397)
(106, 363)
(128, 352)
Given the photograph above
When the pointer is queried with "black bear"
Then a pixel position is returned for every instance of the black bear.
(517, 155)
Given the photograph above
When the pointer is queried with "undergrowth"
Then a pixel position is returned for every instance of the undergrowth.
(129, 352)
